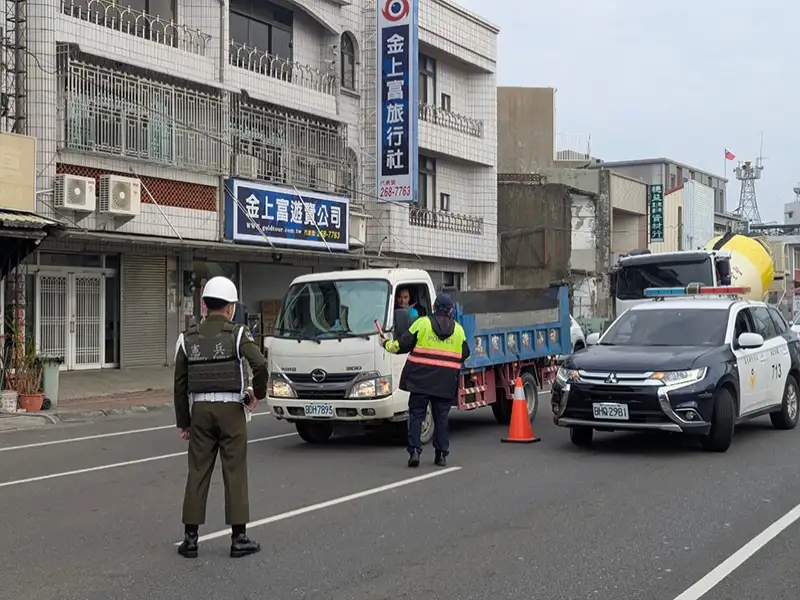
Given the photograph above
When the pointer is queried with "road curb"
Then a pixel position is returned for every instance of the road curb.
(82, 415)
(52, 419)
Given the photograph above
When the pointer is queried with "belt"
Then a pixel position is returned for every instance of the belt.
(217, 397)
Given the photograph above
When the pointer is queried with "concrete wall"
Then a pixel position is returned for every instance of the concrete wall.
(673, 209)
(628, 232)
(534, 221)
(525, 129)
(628, 194)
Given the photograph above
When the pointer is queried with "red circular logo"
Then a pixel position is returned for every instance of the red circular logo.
(395, 10)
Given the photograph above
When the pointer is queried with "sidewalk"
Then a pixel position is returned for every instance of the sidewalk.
(118, 404)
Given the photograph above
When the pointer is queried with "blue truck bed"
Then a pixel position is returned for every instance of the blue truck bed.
(504, 326)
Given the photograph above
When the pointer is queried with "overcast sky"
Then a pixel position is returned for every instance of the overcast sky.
(682, 79)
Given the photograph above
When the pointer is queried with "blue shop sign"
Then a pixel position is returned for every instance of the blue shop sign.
(259, 213)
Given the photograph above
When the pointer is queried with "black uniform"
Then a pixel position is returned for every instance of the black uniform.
(209, 368)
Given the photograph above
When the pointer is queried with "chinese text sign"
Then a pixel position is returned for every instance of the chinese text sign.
(655, 206)
(398, 102)
(263, 214)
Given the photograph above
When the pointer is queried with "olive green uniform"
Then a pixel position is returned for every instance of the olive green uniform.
(210, 371)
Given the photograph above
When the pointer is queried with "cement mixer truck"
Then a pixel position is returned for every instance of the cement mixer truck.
(730, 259)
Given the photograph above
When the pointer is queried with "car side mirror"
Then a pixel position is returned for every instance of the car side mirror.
(592, 339)
(750, 340)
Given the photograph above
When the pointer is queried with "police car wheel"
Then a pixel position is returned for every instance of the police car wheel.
(314, 432)
(723, 421)
(581, 436)
(786, 417)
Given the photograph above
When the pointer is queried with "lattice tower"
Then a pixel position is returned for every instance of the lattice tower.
(13, 71)
(747, 173)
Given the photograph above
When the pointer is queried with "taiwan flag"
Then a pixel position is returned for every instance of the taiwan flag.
(729, 155)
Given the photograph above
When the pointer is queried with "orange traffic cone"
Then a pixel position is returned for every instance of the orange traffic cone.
(520, 431)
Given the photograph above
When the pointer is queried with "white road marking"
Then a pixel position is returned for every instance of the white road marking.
(99, 436)
(127, 463)
(738, 558)
(327, 504)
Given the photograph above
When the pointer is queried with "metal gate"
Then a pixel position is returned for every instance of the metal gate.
(144, 311)
(70, 318)
(85, 326)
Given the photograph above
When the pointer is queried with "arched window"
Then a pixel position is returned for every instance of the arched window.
(348, 61)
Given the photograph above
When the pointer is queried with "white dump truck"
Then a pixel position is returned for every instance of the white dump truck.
(329, 371)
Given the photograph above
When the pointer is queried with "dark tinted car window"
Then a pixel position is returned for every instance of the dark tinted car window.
(780, 322)
(669, 327)
(634, 279)
(764, 322)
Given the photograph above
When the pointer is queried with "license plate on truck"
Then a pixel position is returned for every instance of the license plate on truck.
(610, 411)
(318, 410)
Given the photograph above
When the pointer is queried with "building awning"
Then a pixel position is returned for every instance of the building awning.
(20, 233)
(18, 223)
(209, 247)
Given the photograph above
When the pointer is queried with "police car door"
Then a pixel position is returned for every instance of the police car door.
(749, 367)
(774, 357)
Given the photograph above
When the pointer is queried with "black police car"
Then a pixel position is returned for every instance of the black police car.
(683, 364)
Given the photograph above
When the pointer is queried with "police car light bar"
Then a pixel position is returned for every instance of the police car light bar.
(693, 290)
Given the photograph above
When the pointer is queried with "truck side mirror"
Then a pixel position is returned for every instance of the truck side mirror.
(402, 322)
(724, 271)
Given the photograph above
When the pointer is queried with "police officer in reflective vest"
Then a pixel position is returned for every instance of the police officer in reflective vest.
(211, 397)
(437, 348)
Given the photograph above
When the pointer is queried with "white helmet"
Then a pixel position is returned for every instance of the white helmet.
(221, 288)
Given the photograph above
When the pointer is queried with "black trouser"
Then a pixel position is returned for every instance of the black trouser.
(417, 407)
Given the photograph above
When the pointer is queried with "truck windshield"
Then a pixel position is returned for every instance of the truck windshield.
(668, 327)
(333, 308)
(633, 280)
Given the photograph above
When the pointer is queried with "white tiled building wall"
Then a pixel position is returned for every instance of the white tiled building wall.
(463, 45)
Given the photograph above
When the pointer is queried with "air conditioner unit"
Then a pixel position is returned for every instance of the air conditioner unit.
(120, 196)
(246, 166)
(74, 192)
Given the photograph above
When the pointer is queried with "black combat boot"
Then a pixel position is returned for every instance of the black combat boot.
(413, 458)
(241, 545)
(188, 547)
(440, 460)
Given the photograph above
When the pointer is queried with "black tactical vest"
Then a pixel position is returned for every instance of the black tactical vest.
(213, 362)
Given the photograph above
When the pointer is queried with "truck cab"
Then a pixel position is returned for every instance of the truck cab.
(326, 364)
(642, 269)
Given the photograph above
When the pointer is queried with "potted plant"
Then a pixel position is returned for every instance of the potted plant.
(28, 380)
(8, 396)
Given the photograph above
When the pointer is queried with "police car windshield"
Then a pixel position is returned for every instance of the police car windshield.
(669, 327)
(633, 280)
(333, 309)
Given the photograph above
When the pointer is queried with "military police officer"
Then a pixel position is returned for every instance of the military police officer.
(437, 347)
(210, 390)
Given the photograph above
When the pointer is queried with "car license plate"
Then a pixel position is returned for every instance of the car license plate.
(318, 410)
(611, 411)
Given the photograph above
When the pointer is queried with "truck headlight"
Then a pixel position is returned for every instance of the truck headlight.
(566, 375)
(372, 388)
(679, 377)
(278, 388)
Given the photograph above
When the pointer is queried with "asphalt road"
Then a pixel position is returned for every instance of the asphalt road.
(635, 518)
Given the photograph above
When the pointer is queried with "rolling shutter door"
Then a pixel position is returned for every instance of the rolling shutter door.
(144, 313)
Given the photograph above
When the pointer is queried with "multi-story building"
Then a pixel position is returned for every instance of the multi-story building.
(178, 138)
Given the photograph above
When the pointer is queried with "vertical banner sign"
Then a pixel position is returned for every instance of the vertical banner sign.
(655, 207)
(397, 98)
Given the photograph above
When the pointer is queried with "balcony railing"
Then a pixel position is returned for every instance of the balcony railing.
(573, 146)
(283, 69)
(439, 116)
(444, 220)
(139, 24)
